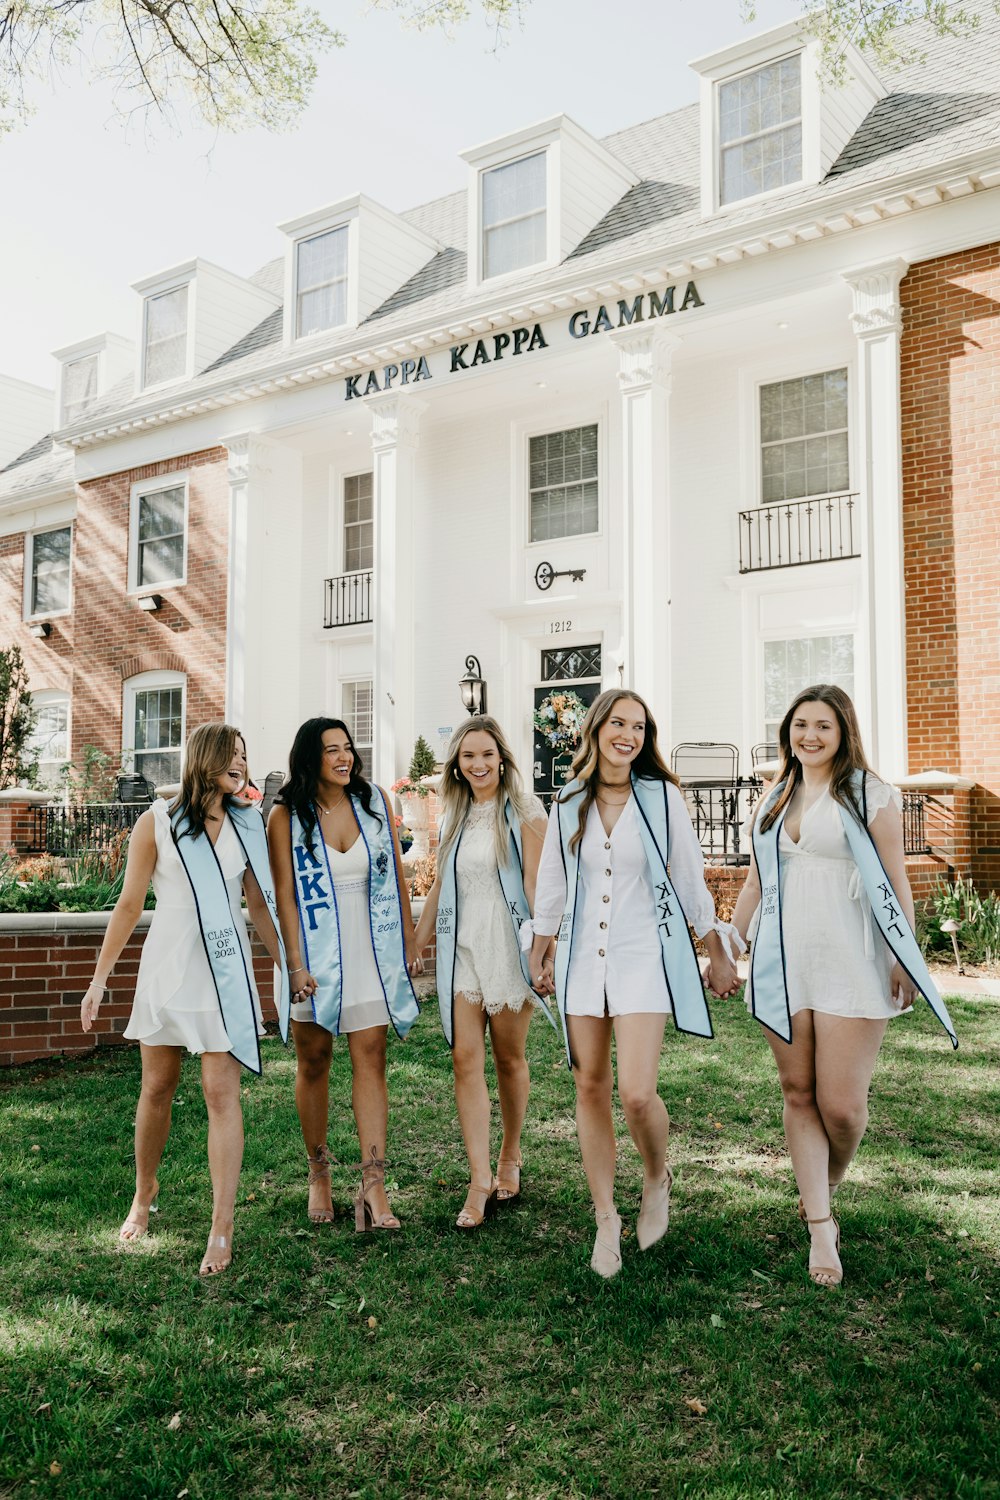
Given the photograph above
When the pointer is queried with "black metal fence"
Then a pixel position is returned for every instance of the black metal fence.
(799, 531)
(720, 813)
(914, 829)
(348, 600)
(90, 829)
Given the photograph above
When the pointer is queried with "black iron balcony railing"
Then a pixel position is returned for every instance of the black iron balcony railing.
(798, 532)
(914, 829)
(348, 600)
(92, 828)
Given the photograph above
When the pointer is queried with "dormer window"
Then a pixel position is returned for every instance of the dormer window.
(165, 337)
(514, 219)
(321, 282)
(760, 130)
(80, 387)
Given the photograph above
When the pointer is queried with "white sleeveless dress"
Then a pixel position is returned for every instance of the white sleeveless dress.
(836, 960)
(487, 962)
(176, 1004)
(363, 1003)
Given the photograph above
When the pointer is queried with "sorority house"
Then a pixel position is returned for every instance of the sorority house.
(707, 407)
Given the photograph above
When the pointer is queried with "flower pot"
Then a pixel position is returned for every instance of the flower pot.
(416, 816)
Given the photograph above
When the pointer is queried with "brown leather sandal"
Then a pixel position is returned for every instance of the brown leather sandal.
(474, 1213)
(508, 1191)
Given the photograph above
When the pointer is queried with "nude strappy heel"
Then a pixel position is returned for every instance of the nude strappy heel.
(606, 1259)
(831, 1277)
(471, 1216)
(372, 1173)
(653, 1222)
(508, 1191)
(319, 1171)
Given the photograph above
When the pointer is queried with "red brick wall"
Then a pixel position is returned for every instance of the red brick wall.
(950, 383)
(107, 638)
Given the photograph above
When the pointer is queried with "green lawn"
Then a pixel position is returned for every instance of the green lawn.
(495, 1365)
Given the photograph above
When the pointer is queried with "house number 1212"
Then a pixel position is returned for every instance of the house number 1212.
(560, 627)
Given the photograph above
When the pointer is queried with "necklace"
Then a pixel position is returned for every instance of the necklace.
(612, 801)
(325, 811)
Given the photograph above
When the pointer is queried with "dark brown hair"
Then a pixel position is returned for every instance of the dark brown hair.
(648, 762)
(850, 756)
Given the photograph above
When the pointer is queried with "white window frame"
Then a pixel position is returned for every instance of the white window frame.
(484, 171)
(49, 697)
(65, 420)
(145, 682)
(801, 120)
(823, 630)
(366, 746)
(568, 425)
(152, 294)
(140, 490)
(29, 573)
(760, 381)
(305, 239)
(339, 216)
(342, 512)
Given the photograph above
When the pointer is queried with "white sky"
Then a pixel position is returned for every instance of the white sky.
(90, 206)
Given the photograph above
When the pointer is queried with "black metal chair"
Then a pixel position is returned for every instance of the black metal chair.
(763, 752)
(134, 789)
(273, 782)
(709, 774)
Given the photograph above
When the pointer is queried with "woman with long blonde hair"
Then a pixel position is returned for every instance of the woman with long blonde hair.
(834, 958)
(487, 861)
(624, 959)
(195, 989)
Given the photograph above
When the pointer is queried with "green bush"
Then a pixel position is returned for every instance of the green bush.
(978, 917)
(422, 762)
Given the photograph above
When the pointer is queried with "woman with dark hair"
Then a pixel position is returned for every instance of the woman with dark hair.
(624, 960)
(492, 832)
(345, 917)
(833, 945)
(195, 990)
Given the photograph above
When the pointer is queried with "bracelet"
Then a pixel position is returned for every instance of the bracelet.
(300, 970)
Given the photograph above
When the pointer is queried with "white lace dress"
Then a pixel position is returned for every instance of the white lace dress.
(836, 960)
(487, 962)
(176, 1004)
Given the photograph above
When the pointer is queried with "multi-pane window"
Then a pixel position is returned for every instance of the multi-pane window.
(760, 130)
(359, 528)
(79, 387)
(513, 207)
(165, 336)
(790, 666)
(803, 434)
(357, 710)
(49, 742)
(158, 733)
(321, 282)
(160, 537)
(562, 483)
(48, 589)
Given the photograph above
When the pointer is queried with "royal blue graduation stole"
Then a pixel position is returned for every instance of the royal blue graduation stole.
(769, 988)
(511, 877)
(319, 920)
(680, 962)
(223, 948)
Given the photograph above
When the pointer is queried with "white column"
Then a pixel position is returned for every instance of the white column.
(877, 322)
(236, 592)
(395, 424)
(644, 357)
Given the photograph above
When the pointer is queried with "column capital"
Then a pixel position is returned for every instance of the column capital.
(395, 420)
(876, 308)
(238, 448)
(644, 357)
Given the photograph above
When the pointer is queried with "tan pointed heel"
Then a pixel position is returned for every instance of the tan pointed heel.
(508, 1191)
(831, 1276)
(606, 1259)
(480, 1205)
(319, 1171)
(654, 1221)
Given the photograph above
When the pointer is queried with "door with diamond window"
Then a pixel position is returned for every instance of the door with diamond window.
(570, 681)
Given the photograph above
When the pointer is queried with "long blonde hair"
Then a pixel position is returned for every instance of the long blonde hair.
(649, 762)
(456, 796)
(208, 753)
(850, 756)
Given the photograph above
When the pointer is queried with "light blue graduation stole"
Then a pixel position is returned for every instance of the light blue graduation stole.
(223, 948)
(319, 919)
(680, 962)
(769, 989)
(511, 877)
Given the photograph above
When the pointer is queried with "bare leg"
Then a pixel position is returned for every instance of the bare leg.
(220, 1083)
(508, 1035)
(638, 1040)
(846, 1051)
(473, 1103)
(370, 1102)
(591, 1047)
(313, 1052)
(161, 1071)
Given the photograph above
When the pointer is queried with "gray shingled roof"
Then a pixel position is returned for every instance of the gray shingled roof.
(41, 467)
(938, 110)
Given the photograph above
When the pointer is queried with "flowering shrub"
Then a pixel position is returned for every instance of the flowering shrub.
(559, 719)
(251, 793)
(405, 787)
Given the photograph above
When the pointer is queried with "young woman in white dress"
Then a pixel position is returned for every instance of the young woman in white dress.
(176, 1007)
(615, 981)
(482, 798)
(843, 985)
(331, 835)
